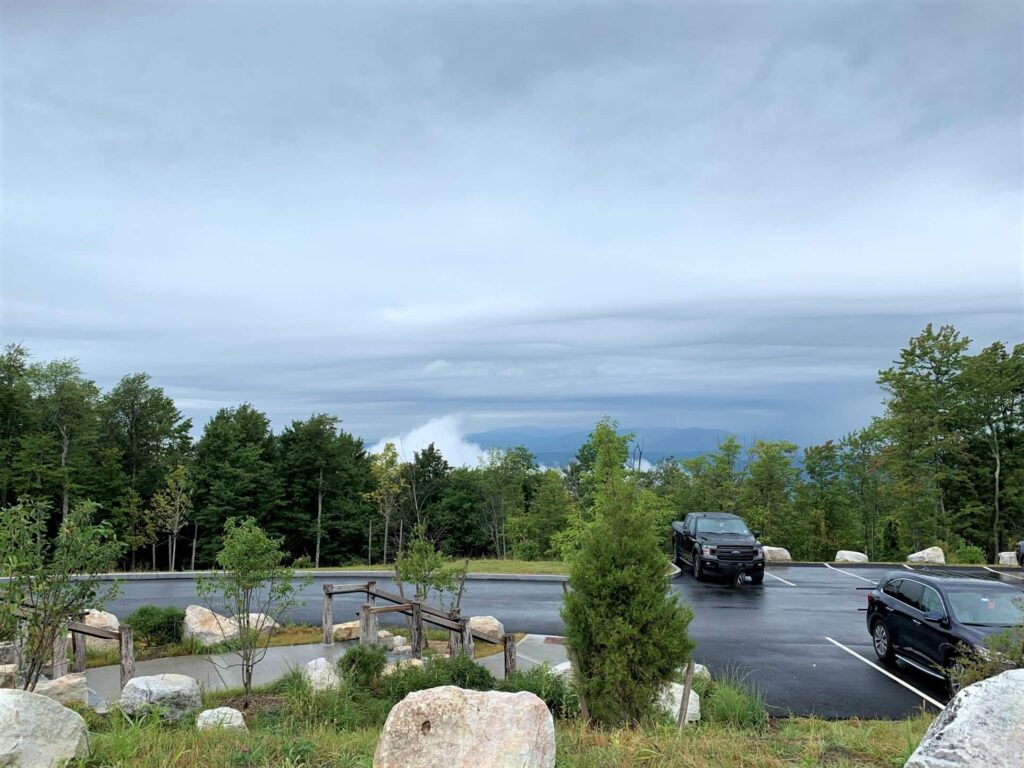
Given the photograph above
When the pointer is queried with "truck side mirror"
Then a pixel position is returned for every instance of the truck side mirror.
(757, 534)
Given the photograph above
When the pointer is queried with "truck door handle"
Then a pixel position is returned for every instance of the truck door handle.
(916, 621)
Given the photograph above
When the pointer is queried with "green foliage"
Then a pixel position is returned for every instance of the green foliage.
(557, 691)
(157, 625)
(429, 571)
(58, 576)
(253, 586)
(732, 701)
(968, 554)
(628, 631)
(363, 664)
(1005, 651)
(459, 670)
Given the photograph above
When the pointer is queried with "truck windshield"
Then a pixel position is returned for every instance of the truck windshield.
(987, 608)
(721, 525)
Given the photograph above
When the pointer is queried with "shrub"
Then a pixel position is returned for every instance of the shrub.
(628, 630)
(555, 690)
(363, 664)
(733, 701)
(156, 625)
(1005, 651)
(302, 561)
(460, 671)
(968, 554)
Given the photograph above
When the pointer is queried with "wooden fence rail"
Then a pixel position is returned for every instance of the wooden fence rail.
(461, 635)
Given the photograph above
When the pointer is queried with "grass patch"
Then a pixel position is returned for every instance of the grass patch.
(553, 567)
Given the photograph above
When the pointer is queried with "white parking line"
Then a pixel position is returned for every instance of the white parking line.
(888, 674)
(777, 578)
(1002, 573)
(869, 581)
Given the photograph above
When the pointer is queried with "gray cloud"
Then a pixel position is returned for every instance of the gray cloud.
(713, 214)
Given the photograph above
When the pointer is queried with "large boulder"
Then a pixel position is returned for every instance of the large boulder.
(488, 625)
(777, 555)
(348, 630)
(102, 620)
(930, 555)
(1007, 558)
(173, 696)
(320, 675)
(37, 732)
(671, 698)
(457, 728)
(206, 627)
(69, 689)
(221, 717)
(849, 556)
(982, 726)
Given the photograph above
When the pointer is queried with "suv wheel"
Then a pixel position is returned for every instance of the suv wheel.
(698, 571)
(882, 641)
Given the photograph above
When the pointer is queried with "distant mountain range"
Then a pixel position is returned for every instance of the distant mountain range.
(557, 447)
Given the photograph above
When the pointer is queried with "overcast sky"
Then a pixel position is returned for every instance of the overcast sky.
(500, 213)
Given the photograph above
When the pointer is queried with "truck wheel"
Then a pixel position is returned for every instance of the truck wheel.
(882, 641)
(698, 572)
(757, 578)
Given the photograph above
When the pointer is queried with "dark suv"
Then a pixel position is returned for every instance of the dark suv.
(927, 619)
(718, 543)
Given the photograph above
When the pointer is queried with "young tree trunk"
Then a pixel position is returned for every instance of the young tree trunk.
(174, 552)
(369, 545)
(153, 549)
(170, 554)
(386, 539)
(195, 536)
(995, 519)
(64, 504)
(319, 517)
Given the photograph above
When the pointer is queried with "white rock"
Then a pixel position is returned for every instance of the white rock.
(700, 671)
(348, 630)
(563, 670)
(982, 726)
(402, 649)
(37, 732)
(393, 666)
(671, 698)
(455, 728)
(173, 696)
(221, 717)
(69, 689)
(7, 675)
(777, 555)
(849, 556)
(208, 628)
(102, 620)
(388, 639)
(1007, 558)
(320, 675)
(488, 625)
(257, 621)
(930, 555)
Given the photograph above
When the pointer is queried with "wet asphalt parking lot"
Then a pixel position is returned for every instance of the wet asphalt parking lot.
(800, 637)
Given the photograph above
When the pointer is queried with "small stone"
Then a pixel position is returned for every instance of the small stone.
(68, 689)
(221, 717)
(488, 625)
(206, 627)
(348, 630)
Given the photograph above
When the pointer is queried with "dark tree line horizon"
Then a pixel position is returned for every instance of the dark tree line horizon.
(943, 465)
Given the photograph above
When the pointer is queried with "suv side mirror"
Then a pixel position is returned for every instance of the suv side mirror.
(935, 617)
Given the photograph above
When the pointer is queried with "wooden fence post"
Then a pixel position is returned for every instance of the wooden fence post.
(78, 651)
(327, 616)
(509, 641)
(367, 625)
(468, 645)
(684, 705)
(59, 660)
(454, 636)
(416, 635)
(126, 648)
(371, 596)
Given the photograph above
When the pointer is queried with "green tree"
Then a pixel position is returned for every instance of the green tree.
(531, 531)
(253, 586)
(503, 481)
(824, 506)
(66, 404)
(235, 473)
(628, 630)
(57, 576)
(457, 520)
(428, 570)
(424, 480)
(172, 508)
(15, 412)
(387, 488)
(766, 498)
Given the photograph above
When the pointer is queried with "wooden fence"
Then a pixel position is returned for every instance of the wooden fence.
(461, 635)
(60, 663)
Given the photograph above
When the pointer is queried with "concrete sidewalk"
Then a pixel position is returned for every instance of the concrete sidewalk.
(221, 670)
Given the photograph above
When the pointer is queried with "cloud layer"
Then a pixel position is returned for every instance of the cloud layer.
(701, 214)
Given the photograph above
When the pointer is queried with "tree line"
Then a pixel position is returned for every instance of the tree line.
(944, 464)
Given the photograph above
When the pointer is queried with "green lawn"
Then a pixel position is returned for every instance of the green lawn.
(556, 567)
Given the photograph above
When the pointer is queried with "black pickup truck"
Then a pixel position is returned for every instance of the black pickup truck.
(718, 543)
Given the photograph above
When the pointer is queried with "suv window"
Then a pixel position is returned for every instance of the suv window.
(892, 588)
(910, 593)
(931, 602)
